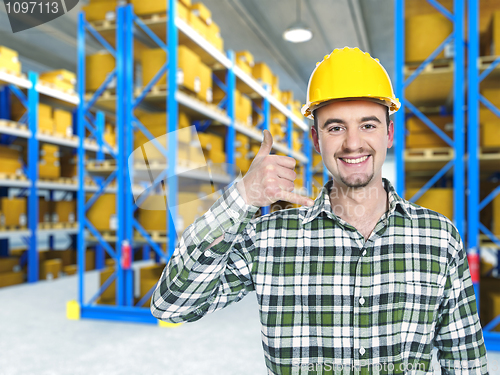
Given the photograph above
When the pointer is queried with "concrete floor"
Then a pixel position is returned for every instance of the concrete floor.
(37, 339)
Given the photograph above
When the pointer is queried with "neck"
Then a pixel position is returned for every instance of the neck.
(358, 203)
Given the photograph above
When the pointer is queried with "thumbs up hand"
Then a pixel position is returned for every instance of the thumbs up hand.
(270, 178)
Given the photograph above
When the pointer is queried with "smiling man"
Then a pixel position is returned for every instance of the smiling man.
(358, 280)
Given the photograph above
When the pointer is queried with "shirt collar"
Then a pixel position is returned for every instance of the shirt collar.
(322, 202)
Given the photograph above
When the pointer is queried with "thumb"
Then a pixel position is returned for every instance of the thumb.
(267, 144)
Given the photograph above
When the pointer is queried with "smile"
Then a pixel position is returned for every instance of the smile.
(355, 161)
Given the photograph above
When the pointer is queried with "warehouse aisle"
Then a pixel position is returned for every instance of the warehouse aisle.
(37, 339)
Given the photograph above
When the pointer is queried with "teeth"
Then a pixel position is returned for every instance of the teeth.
(356, 161)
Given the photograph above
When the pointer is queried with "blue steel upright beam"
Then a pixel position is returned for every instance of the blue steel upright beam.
(266, 109)
(120, 125)
(80, 124)
(33, 98)
(173, 116)
(458, 117)
(231, 131)
(399, 129)
(127, 145)
(472, 136)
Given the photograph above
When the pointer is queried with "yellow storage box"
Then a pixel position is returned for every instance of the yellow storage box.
(436, 199)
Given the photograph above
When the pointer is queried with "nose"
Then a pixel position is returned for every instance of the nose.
(353, 140)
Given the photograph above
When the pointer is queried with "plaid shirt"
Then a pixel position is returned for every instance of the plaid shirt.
(331, 302)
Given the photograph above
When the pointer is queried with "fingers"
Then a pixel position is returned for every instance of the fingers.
(286, 173)
(267, 144)
(295, 198)
(285, 161)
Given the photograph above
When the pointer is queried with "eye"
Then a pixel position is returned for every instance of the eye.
(335, 129)
(369, 126)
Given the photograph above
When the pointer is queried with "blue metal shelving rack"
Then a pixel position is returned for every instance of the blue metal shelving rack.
(127, 25)
(401, 84)
(15, 85)
(474, 98)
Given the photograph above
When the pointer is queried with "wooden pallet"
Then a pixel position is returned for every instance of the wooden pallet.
(155, 17)
(13, 176)
(13, 125)
(156, 236)
(47, 225)
(53, 86)
(101, 165)
(60, 180)
(485, 241)
(13, 73)
(105, 24)
(432, 67)
(11, 228)
(429, 154)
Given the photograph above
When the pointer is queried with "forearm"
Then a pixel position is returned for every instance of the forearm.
(194, 278)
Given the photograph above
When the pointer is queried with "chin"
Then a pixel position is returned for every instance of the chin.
(356, 181)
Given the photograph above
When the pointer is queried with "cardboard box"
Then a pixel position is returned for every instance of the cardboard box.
(72, 269)
(492, 35)
(13, 212)
(198, 24)
(50, 269)
(496, 215)
(64, 211)
(49, 169)
(436, 199)
(200, 10)
(149, 277)
(188, 67)
(102, 214)
(63, 122)
(244, 59)
(490, 134)
(144, 7)
(9, 264)
(44, 211)
(150, 216)
(243, 109)
(69, 166)
(287, 97)
(420, 41)
(61, 79)
(109, 294)
(60, 75)
(421, 136)
(11, 66)
(10, 160)
(8, 54)
(262, 73)
(102, 10)
(205, 79)
(67, 257)
(214, 37)
(98, 66)
(11, 278)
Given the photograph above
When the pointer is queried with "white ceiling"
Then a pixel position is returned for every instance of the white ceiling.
(254, 25)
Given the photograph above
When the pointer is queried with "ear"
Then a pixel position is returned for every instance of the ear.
(314, 135)
(390, 135)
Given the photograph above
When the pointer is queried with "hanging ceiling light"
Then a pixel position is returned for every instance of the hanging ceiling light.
(298, 31)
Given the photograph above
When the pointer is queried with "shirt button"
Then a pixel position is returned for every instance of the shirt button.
(361, 300)
(362, 351)
(207, 253)
(364, 252)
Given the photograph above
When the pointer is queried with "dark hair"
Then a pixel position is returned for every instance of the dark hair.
(387, 119)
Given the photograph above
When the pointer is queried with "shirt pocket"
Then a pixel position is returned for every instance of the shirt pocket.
(420, 303)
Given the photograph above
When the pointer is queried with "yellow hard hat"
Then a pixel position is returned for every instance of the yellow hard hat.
(349, 73)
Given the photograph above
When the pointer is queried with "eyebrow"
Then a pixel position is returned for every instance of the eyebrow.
(340, 121)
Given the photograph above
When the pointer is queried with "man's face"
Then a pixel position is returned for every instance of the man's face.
(353, 138)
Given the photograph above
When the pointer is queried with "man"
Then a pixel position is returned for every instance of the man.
(358, 281)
